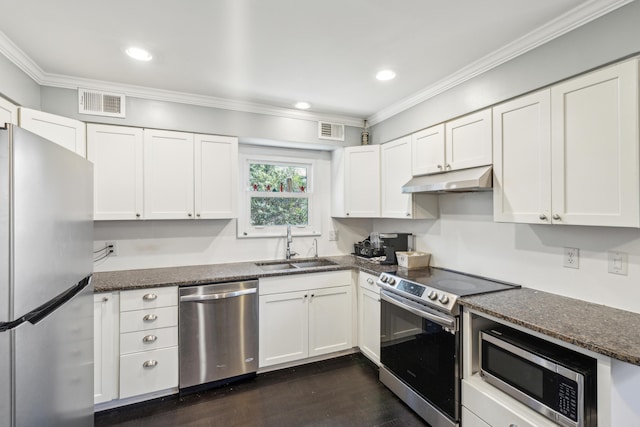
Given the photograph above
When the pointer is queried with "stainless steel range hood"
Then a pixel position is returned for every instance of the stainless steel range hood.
(465, 180)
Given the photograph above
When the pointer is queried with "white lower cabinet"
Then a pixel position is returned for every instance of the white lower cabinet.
(105, 346)
(303, 316)
(148, 341)
(469, 419)
(369, 316)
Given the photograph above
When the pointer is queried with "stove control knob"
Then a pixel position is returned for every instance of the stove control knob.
(383, 279)
(392, 281)
(432, 295)
(443, 299)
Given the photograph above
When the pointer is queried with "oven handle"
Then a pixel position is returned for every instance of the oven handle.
(440, 320)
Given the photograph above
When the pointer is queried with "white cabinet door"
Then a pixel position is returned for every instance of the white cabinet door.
(468, 141)
(428, 151)
(522, 159)
(116, 153)
(362, 181)
(330, 322)
(168, 174)
(8, 112)
(396, 171)
(69, 133)
(594, 158)
(216, 176)
(104, 348)
(369, 324)
(284, 327)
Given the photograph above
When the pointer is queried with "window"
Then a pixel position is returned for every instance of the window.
(277, 192)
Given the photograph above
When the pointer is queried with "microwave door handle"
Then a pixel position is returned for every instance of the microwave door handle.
(442, 321)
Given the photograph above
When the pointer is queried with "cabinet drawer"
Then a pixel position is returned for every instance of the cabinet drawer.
(302, 282)
(148, 371)
(497, 408)
(368, 281)
(142, 320)
(148, 298)
(151, 339)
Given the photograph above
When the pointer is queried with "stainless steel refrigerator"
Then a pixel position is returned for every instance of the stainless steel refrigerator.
(46, 295)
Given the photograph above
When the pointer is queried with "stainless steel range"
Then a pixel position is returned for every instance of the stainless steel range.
(420, 338)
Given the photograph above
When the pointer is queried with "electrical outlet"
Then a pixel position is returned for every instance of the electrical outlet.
(618, 263)
(571, 258)
(333, 235)
(112, 248)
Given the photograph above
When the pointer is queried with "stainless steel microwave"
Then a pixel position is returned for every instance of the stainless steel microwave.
(557, 382)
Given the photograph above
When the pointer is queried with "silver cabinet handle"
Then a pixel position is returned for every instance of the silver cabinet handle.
(189, 215)
(149, 317)
(138, 215)
(370, 280)
(198, 215)
(543, 217)
(105, 299)
(439, 166)
(150, 364)
(149, 338)
(149, 297)
(408, 214)
(556, 217)
(448, 166)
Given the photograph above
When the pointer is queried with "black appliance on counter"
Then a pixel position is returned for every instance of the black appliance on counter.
(389, 244)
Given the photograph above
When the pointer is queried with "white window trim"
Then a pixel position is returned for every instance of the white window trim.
(245, 229)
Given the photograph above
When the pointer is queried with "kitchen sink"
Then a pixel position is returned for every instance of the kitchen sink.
(277, 266)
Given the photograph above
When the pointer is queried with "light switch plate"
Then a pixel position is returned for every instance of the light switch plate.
(571, 258)
(618, 263)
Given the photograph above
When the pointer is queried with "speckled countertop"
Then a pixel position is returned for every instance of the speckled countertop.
(598, 328)
(605, 330)
(200, 274)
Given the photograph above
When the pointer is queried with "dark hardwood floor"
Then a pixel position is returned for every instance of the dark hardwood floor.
(340, 392)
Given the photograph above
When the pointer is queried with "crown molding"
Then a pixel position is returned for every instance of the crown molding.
(29, 67)
(563, 24)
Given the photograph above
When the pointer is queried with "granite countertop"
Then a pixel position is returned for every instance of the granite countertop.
(595, 327)
(212, 273)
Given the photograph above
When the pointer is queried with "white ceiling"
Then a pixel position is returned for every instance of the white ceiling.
(275, 52)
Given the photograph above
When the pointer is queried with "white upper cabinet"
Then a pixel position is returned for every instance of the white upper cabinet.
(428, 150)
(168, 174)
(457, 144)
(189, 176)
(8, 112)
(356, 182)
(522, 159)
(66, 132)
(216, 176)
(116, 153)
(468, 141)
(569, 154)
(396, 159)
(594, 148)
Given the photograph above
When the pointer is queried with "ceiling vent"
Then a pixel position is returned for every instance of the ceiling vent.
(100, 103)
(333, 131)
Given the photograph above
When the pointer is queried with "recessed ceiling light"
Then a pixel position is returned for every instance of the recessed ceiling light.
(302, 105)
(139, 54)
(385, 75)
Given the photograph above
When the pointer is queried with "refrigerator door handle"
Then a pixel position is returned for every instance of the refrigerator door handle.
(36, 315)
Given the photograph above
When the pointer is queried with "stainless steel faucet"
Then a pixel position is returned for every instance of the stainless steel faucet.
(289, 252)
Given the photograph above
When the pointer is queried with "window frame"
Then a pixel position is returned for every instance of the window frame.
(244, 227)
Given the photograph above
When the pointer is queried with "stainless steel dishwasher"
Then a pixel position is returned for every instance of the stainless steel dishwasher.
(218, 332)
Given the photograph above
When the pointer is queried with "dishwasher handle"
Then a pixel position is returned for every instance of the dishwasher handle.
(221, 295)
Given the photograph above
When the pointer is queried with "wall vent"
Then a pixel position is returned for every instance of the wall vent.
(333, 131)
(101, 103)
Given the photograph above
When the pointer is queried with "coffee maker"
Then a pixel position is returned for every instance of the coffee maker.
(393, 242)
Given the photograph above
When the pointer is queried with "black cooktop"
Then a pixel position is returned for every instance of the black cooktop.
(453, 282)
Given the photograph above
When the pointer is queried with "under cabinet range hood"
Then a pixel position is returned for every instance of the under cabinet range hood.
(464, 180)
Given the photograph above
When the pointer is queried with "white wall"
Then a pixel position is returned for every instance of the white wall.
(465, 238)
(150, 244)
(17, 86)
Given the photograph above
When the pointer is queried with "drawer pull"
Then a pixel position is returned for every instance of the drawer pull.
(370, 280)
(149, 297)
(149, 317)
(150, 364)
(149, 338)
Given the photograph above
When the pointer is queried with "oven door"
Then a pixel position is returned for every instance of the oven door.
(420, 347)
